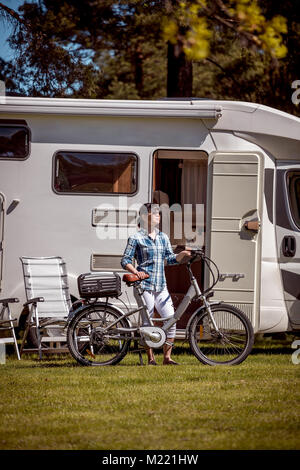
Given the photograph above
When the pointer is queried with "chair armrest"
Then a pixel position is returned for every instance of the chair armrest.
(34, 301)
(9, 301)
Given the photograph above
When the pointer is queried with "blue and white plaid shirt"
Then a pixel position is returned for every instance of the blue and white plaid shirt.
(150, 256)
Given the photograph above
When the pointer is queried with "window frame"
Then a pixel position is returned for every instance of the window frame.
(290, 175)
(73, 193)
(17, 125)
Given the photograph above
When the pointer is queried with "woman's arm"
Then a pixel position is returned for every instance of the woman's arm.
(140, 274)
(126, 261)
(170, 256)
(129, 253)
(129, 267)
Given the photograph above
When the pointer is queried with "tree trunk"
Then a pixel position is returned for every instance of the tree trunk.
(138, 72)
(180, 72)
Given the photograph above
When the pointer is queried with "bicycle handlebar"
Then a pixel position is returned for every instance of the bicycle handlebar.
(195, 254)
(199, 253)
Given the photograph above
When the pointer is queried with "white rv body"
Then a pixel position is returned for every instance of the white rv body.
(253, 164)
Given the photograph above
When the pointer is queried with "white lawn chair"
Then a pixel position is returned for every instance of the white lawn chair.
(7, 323)
(48, 299)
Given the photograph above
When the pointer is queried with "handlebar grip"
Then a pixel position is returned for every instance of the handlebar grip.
(197, 252)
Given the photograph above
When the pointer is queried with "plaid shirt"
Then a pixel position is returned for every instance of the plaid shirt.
(150, 255)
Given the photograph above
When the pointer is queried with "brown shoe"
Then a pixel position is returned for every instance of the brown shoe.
(152, 363)
(170, 363)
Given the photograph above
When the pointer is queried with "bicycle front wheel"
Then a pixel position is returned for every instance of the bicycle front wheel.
(228, 344)
(90, 345)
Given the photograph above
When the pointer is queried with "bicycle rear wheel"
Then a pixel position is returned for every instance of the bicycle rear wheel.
(230, 345)
(87, 342)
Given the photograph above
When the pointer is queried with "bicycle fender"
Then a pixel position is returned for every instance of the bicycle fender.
(197, 312)
(82, 307)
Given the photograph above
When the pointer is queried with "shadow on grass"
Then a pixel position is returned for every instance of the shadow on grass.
(268, 346)
(256, 350)
(62, 363)
(44, 363)
(272, 350)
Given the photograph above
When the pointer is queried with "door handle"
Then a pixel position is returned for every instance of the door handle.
(253, 225)
(289, 246)
(12, 206)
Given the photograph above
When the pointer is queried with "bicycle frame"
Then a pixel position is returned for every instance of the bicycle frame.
(231, 342)
(194, 291)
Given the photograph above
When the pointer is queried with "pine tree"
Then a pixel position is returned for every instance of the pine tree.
(143, 49)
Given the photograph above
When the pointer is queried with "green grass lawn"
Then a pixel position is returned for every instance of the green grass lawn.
(56, 404)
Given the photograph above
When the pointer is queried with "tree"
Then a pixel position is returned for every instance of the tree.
(192, 25)
(49, 64)
(249, 75)
(133, 48)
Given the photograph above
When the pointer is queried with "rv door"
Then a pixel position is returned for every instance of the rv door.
(288, 235)
(234, 229)
(1, 234)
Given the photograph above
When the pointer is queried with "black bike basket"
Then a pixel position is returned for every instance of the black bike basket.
(93, 285)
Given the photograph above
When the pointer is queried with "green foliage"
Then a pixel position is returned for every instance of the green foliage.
(237, 72)
(269, 32)
(45, 64)
(190, 21)
(184, 23)
(118, 49)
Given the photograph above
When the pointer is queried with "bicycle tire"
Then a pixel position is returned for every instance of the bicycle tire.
(234, 343)
(83, 329)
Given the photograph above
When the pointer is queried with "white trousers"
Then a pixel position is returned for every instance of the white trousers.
(162, 301)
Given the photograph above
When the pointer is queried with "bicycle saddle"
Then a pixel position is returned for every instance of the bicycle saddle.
(132, 278)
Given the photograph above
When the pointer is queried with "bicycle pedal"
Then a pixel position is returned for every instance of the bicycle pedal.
(91, 354)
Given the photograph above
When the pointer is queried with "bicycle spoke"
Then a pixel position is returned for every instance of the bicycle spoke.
(229, 344)
(90, 345)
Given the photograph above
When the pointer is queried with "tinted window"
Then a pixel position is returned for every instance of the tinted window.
(14, 142)
(83, 172)
(294, 195)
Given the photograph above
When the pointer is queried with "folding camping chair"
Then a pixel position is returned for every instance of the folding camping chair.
(7, 323)
(48, 299)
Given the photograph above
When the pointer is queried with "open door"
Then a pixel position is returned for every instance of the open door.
(234, 239)
(1, 236)
(180, 179)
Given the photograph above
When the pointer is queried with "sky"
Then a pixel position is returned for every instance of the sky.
(6, 52)
(6, 29)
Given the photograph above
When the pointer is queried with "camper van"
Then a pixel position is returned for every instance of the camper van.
(72, 169)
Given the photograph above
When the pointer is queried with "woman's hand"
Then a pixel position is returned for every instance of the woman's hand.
(141, 274)
(182, 254)
(187, 253)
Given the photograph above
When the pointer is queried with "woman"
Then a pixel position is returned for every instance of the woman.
(150, 248)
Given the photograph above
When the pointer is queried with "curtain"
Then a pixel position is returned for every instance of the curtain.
(193, 183)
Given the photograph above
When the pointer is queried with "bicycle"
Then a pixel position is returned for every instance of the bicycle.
(99, 333)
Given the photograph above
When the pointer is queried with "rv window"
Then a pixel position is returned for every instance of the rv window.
(89, 172)
(294, 195)
(14, 141)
